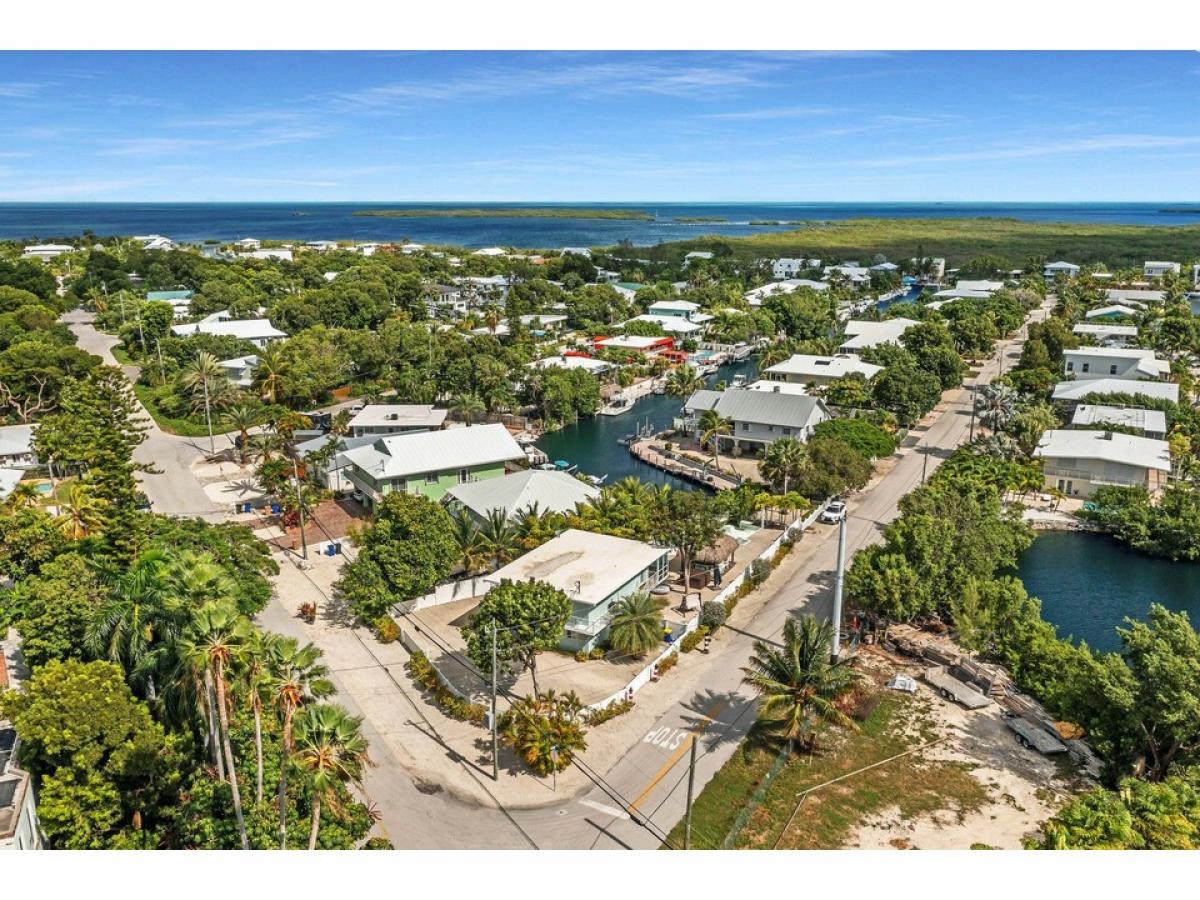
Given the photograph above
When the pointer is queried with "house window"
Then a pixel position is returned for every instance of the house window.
(464, 475)
(1086, 366)
(787, 431)
(1112, 370)
(745, 426)
(431, 477)
(1070, 366)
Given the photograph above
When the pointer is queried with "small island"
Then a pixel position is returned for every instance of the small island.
(506, 212)
(698, 220)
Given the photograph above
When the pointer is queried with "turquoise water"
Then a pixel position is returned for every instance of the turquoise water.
(335, 221)
(592, 444)
(1089, 583)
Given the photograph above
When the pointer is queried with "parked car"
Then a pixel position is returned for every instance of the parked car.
(834, 512)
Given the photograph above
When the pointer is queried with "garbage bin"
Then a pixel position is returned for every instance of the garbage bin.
(276, 509)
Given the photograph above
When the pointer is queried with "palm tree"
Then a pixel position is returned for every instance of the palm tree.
(783, 460)
(635, 625)
(492, 318)
(467, 405)
(256, 659)
(497, 538)
(798, 684)
(24, 495)
(466, 538)
(211, 645)
(534, 527)
(996, 405)
(714, 426)
(331, 747)
(79, 512)
(201, 377)
(684, 381)
(269, 373)
(243, 417)
(299, 677)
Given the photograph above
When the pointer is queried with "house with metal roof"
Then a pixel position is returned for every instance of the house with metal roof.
(1105, 334)
(756, 296)
(1079, 390)
(430, 462)
(759, 417)
(1128, 363)
(1054, 269)
(862, 334)
(240, 369)
(1077, 463)
(395, 418)
(1158, 268)
(258, 332)
(547, 490)
(16, 446)
(595, 571)
(803, 368)
(671, 324)
(1129, 295)
(1152, 423)
(589, 364)
(1114, 311)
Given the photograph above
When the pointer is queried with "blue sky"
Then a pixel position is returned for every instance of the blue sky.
(499, 126)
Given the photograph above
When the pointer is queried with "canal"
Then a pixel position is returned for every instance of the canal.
(1089, 583)
(592, 444)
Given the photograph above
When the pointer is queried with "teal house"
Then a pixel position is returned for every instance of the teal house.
(431, 462)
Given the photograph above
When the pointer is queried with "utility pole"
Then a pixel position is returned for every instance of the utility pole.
(687, 815)
(924, 463)
(300, 506)
(837, 589)
(495, 734)
(212, 442)
(974, 385)
(162, 372)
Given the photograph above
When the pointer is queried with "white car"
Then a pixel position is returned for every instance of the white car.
(834, 512)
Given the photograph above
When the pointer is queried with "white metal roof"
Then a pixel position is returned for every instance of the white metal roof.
(401, 455)
(16, 440)
(629, 342)
(1121, 295)
(1077, 390)
(243, 329)
(548, 490)
(588, 567)
(805, 365)
(399, 415)
(670, 324)
(987, 286)
(1119, 309)
(862, 334)
(676, 305)
(1108, 446)
(595, 366)
(1151, 420)
(1112, 330)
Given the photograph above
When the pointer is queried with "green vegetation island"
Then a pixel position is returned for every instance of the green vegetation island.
(696, 220)
(505, 212)
(958, 240)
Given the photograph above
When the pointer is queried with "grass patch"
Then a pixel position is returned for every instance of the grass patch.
(830, 816)
(505, 212)
(184, 427)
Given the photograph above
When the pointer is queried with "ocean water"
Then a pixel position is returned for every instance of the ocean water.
(336, 221)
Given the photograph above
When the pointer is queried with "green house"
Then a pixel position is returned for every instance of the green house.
(430, 463)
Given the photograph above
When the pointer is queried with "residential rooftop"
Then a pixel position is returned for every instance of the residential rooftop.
(398, 415)
(1152, 421)
(805, 365)
(1107, 446)
(549, 491)
(401, 455)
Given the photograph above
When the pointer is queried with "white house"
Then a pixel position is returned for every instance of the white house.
(16, 446)
(1078, 462)
(855, 274)
(671, 324)
(756, 296)
(1114, 362)
(956, 293)
(577, 251)
(548, 491)
(489, 251)
(595, 571)
(790, 268)
(989, 287)
(280, 253)
(1196, 275)
(1106, 335)
(819, 370)
(154, 242)
(701, 255)
(45, 252)
(1124, 295)
(1152, 423)
(683, 309)
(1078, 390)
(759, 417)
(596, 367)
(635, 343)
(258, 332)
(395, 418)
(240, 369)
(1157, 269)
(1113, 311)
(861, 334)
(1054, 269)
(321, 246)
(248, 244)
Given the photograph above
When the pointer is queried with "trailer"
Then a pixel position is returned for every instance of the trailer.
(953, 689)
(1031, 735)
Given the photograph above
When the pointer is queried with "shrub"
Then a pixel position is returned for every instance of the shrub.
(386, 630)
(581, 656)
(667, 663)
(757, 572)
(693, 638)
(423, 672)
(596, 653)
(712, 615)
(614, 709)
(378, 843)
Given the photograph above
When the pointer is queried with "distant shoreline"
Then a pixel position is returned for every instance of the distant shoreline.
(509, 212)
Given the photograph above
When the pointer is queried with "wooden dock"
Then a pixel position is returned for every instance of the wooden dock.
(652, 456)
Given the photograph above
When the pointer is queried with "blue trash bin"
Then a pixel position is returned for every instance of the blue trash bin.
(276, 508)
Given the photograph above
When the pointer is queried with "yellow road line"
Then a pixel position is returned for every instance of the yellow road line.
(710, 716)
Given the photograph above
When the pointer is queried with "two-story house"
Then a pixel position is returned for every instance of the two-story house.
(1129, 364)
(1077, 463)
(395, 418)
(759, 417)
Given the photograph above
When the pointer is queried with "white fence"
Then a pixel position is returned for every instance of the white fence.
(462, 589)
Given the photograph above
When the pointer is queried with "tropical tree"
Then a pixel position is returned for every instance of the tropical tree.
(242, 416)
(515, 621)
(468, 406)
(782, 461)
(202, 377)
(635, 625)
(257, 656)
(545, 731)
(210, 646)
(331, 747)
(996, 405)
(298, 677)
(497, 538)
(80, 511)
(798, 684)
(713, 426)
(684, 381)
(270, 373)
(533, 527)
(470, 553)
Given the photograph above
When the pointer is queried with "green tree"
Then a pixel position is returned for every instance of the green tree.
(403, 553)
(782, 463)
(545, 731)
(712, 427)
(53, 609)
(689, 521)
(684, 381)
(865, 438)
(529, 617)
(635, 625)
(798, 685)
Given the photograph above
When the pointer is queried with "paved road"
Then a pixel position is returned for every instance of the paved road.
(173, 490)
(652, 777)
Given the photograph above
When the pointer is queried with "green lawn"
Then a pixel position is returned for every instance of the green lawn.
(184, 427)
(829, 816)
(958, 240)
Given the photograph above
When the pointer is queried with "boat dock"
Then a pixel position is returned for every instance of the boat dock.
(672, 464)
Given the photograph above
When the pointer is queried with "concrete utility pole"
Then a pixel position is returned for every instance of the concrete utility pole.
(687, 816)
(971, 437)
(495, 735)
(837, 589)
(300, 507)
(212, 442)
